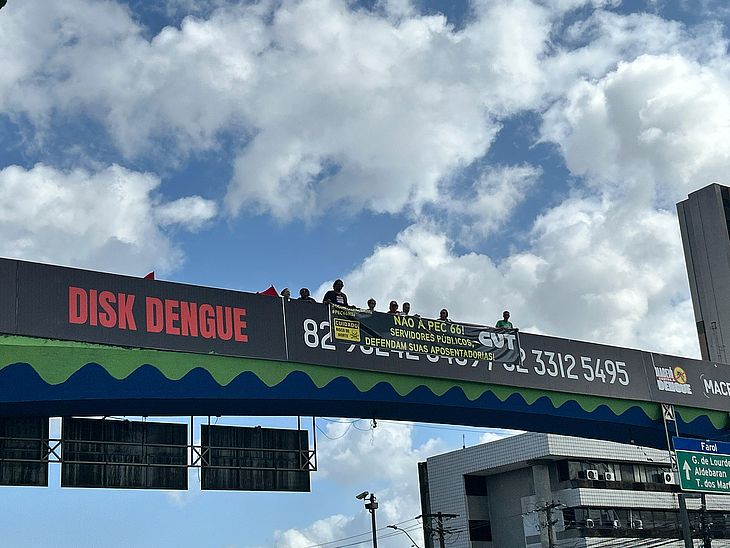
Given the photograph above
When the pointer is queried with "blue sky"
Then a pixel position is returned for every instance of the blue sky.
(521, 154)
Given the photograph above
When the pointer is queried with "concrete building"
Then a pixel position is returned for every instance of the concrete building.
(704, 220)
(596, 493)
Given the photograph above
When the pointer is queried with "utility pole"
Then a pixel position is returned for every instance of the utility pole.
(684, 517)
(549, 522)
(706, 533)
(440, 530)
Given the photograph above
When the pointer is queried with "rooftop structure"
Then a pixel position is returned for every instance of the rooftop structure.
(704, 220)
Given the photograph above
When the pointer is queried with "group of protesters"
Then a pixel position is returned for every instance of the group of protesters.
(336, 296)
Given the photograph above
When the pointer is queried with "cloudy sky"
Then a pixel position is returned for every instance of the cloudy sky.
(482, 155)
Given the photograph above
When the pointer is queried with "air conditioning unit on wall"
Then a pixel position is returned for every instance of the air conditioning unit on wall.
(592, 475)
(610, 476)
(669, 478)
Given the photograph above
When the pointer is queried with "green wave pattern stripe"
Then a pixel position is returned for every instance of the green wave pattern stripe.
(55, 361)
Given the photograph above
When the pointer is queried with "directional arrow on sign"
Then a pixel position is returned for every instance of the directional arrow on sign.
(687, 468)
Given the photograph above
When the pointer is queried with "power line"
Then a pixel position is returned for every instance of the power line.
(360, 535)
(453, 428)
(387, 535)
(338, 437)
(338, 540)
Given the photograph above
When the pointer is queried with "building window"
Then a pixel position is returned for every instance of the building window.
(475, 485)
(563, 471)
(480, 529)
(575, 469)
(641, 523)
(627, 473)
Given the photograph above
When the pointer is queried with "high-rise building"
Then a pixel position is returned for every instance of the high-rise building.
(521, 491)
(704, 220)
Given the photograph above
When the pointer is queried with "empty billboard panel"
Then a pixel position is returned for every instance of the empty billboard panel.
(8, 296)
(24, 451)
(124, 454)
(254, 459)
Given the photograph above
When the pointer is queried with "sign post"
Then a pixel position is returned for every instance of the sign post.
(704, 466)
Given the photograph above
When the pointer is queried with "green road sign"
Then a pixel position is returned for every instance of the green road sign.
(704, 466)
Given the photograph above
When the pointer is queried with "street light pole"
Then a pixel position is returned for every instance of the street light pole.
(406, 532)
(371, 506)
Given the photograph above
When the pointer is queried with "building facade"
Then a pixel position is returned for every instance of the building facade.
(523, 491)
(704, 221)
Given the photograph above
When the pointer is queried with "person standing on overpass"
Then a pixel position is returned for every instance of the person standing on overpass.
(504, 323)
(335, 295)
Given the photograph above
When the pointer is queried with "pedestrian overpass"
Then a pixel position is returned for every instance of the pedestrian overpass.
(82, 343)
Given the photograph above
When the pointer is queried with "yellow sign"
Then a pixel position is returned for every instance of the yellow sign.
(680, 375)
(346, 330)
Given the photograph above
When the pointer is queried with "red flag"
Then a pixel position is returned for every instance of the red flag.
(271, 292)
(150, 276)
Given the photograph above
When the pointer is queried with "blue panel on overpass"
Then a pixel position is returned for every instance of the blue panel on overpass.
(91, 390)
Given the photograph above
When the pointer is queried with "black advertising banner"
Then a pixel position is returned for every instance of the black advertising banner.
(711, 385)
(7, 295)
(547, 363)
(683, 381)
(418, 335)
(80, 305)
(566, 365)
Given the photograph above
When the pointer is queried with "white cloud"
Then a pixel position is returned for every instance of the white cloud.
(595, 269)
(389, 111)
(657, 124)
(321, 531)
(341, 108)
(491, 200)
(46, 48)
(347, 109)
(385, 451)
(181, 499)
(105, 219)
(590, 48)
(420, 266)
(561, 6)
(396, 9)
(605, 271)
(192, 212)
(494, 435)
(92, 58)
